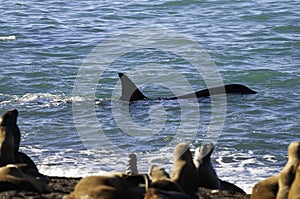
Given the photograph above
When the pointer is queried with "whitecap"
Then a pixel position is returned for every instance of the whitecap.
(69, 171)
(5, 38)
(39, 99)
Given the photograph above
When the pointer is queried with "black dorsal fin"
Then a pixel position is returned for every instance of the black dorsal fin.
(130, 91)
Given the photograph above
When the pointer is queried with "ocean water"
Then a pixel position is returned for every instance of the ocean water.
(59, 64)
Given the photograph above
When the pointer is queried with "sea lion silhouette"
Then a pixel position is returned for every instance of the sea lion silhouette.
(184, 171)
(9, 119)
(161, 180)
(207, 174)
(9, 137)
(287, 175)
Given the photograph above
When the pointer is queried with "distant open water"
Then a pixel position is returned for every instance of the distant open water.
(256, 43)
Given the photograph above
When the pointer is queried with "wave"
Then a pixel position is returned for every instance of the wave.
(234, 168)
(36, 99)
(69, 171)
(6, 38)
(243, 168)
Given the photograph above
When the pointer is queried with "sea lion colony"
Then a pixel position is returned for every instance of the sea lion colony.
(19, 172)
(286, 184)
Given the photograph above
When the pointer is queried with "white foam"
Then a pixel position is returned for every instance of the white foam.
(243, 177)
(44, 99)
(5, 38)
(242, 169)
(38, 99)
(69, 171)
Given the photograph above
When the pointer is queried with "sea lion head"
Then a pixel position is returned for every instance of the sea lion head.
(203, 153)
(13, 174)
(11, 169)
(10, 117)
(294, 150)
(158, 173)
(182, 152)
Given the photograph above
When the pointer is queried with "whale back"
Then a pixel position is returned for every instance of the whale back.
(130, 91)
(226, 89)
(238, 88)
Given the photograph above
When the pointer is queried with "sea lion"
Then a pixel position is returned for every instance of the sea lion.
(110, 186)
(294, 192)
(9, 119)
(22, 158)
(266, 189)
(94, 187)
(184, 172)
(31, 169)
(287, 175)
(230, 187)
(7, 140)
(153, 193)
(13, 178)
(130, 91)
(161, 180)
(135, 185)
(207, 174)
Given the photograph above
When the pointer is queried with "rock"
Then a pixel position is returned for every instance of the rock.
(63, 186)
(204, 193)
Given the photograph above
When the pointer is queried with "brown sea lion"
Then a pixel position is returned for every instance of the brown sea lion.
(94, 187)
(161, 180)
(207, 174)
(266, 189)
(294, 192)
(31, 169)
(153, 193)
(230, 187)
(287, 175)
(7, 139)
(184, 172)
(135, 185)
(110, 186)
(9, 119)
(22, 158)
(13, 178)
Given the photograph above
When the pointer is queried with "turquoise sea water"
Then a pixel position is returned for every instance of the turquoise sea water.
(44, 44)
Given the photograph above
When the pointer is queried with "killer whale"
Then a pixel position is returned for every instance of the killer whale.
(130, 92)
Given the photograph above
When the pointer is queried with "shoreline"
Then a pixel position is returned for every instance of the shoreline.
(62, 186)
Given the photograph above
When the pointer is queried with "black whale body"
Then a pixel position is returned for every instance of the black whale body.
(130, 91)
